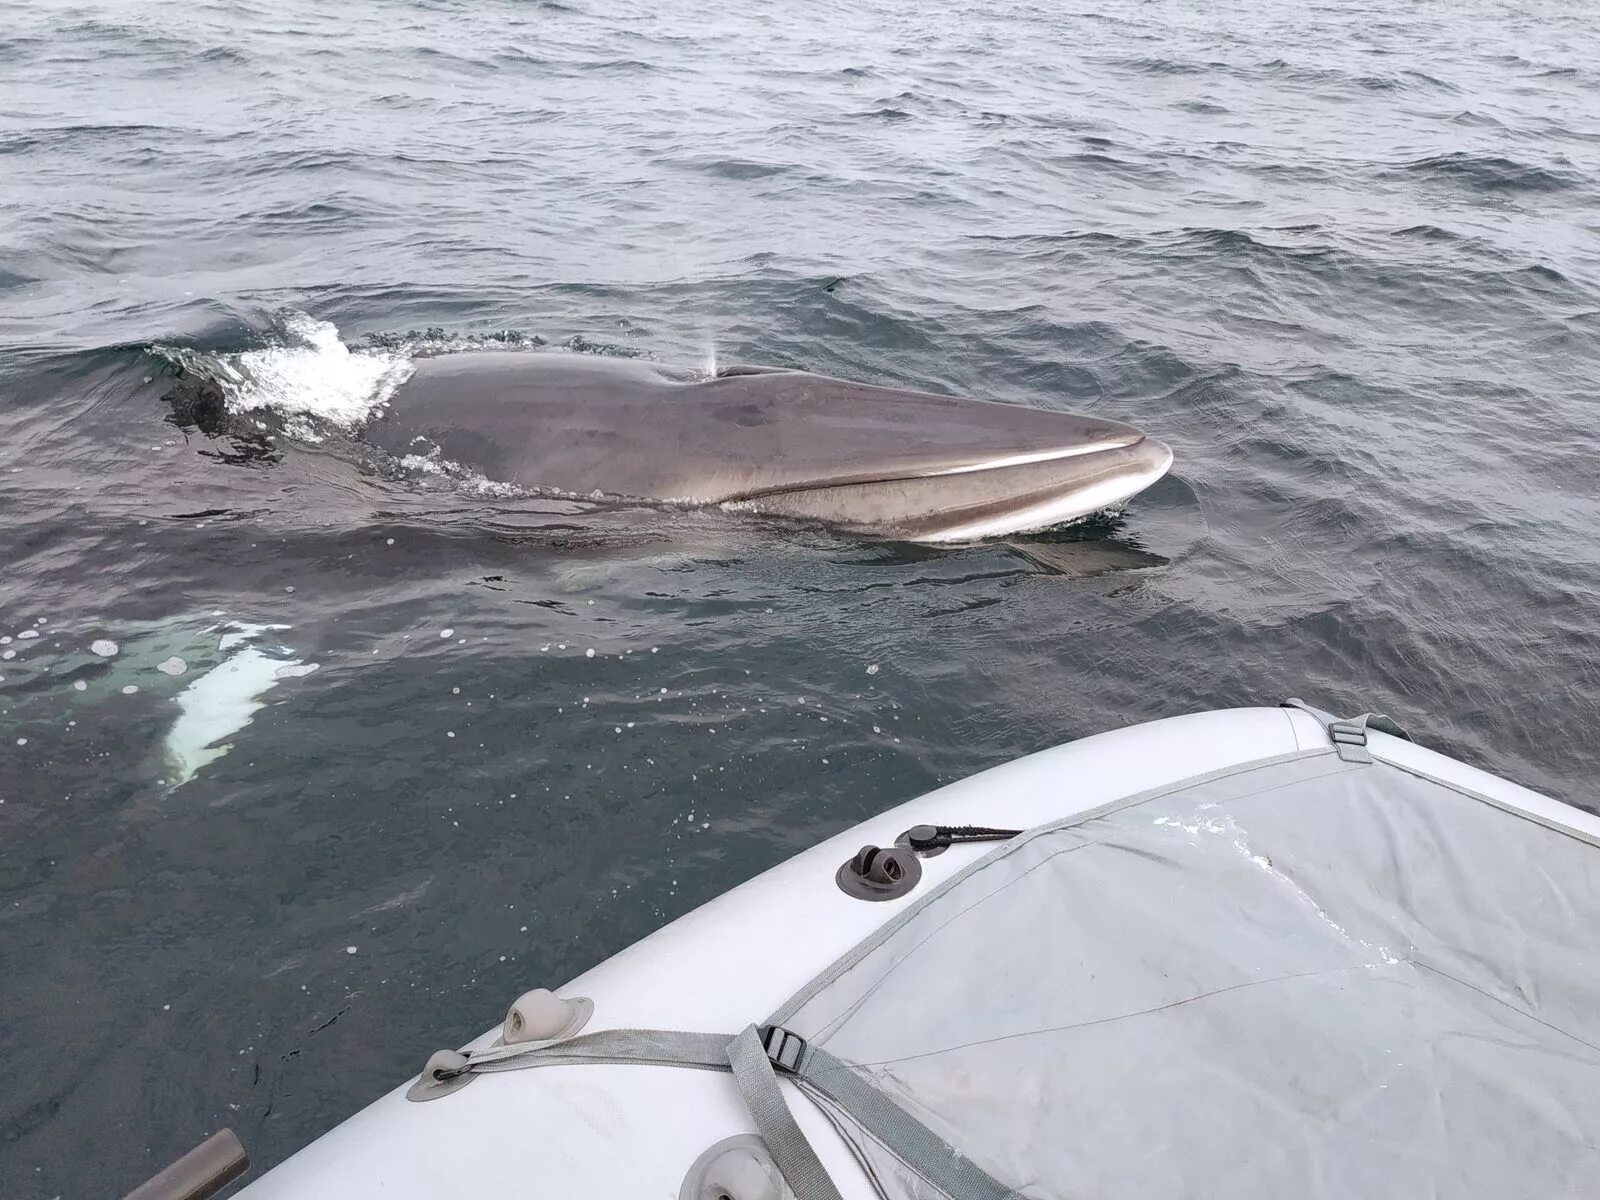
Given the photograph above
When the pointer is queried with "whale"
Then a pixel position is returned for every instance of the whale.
(868, 459)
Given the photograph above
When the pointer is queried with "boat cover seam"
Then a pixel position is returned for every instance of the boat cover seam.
(848, 1132)
(1505, 806)
(1328, 720)
(872, 941)
(828, 1029)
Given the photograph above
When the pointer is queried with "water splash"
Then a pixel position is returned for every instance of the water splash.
(461, 478)
(309, 376)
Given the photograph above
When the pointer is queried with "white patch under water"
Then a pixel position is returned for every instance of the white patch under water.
(221, 702)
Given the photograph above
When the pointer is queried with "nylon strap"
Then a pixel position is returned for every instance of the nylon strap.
(907, 1138)
(1349, 734)
(758, 1084)
(757, 1057)
(649, 1047)
(1350, 739)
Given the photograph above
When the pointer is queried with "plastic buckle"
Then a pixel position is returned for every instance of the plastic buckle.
(785, 1049)
(1347, 732)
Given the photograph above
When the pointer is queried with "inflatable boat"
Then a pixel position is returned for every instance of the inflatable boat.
(1255, 953)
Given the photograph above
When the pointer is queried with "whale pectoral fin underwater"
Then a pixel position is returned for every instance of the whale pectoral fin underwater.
(877, 461)
(1084, 559)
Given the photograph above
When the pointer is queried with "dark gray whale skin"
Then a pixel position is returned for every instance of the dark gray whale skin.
(874, 460)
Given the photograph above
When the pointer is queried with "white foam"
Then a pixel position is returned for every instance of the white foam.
(463, 478)
(312, 375)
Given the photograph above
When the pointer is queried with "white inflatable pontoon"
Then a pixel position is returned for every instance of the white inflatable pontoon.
(1251, 953)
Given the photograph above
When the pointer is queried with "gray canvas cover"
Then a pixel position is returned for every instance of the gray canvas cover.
(1304, 977)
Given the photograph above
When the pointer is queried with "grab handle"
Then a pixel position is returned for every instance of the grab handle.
(204, 1171)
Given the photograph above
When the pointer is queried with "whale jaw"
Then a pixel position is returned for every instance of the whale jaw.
(973, 503)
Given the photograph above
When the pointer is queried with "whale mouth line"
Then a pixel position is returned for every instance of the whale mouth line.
(995, 465)
(1039, 456)
(975, 504)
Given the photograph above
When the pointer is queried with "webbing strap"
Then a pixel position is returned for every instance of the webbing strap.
(758, 1084)
(650, 1047)
(907, 1138)
(1349, 734)
(757, 1058)
(1323, 716)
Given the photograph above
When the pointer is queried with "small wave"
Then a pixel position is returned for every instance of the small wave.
(1429, 233)
(738, 168)
(80, 138)
(1423, 79)
(1490, 173)
(313, 215)
(1398, 81)
(1164, 66)
(1404, 81)
(1539, 277)
(309, 376)
(516, 56)
(620, 66)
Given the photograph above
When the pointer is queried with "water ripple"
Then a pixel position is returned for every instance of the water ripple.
(1345, 261)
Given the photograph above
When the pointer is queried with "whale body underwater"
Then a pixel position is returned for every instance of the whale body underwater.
(872, 460)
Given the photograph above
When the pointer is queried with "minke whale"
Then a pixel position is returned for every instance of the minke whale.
(881, 461)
